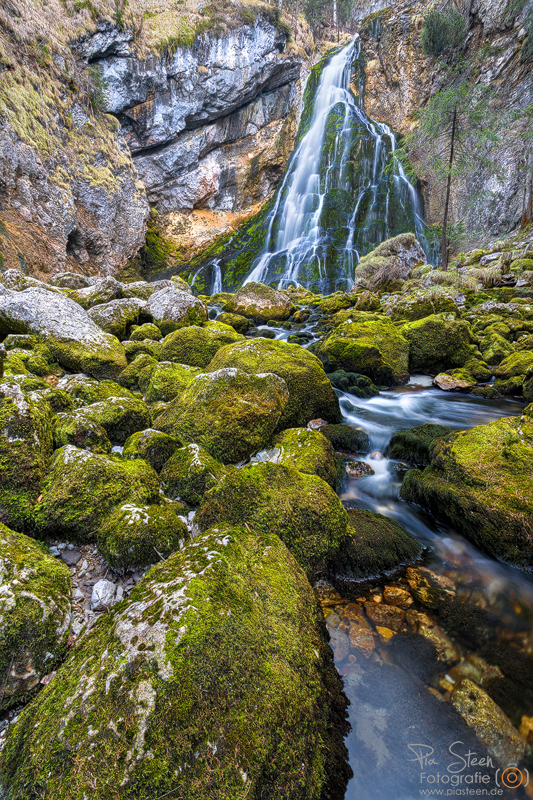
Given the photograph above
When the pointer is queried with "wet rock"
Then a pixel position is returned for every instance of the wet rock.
(385, 615)
(260, 303)
(229, 412)
(385, 634)
(415, 444)
(475, 669)
(340, 643)
(361, 636)
(445, 648)
(346, 438)
(188, 655)
(71, 557)
(390, 264)
(396, 596)
(456, 381)
(326, 594)
(358, 469)
(430, 589)
(492, 727)
(103, 596)
(34, 614)
(526, 729)
(172, 308)
(310, 392)
(358, 385)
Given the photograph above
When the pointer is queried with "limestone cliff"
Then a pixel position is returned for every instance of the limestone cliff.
(400, 79)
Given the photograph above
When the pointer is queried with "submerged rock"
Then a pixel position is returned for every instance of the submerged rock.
(34, 614)
(260, 303)
(214, 679)
(310, 392)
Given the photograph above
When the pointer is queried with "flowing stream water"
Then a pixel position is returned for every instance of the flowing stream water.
(392, 709)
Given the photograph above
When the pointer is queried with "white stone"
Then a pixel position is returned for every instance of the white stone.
(103, 596)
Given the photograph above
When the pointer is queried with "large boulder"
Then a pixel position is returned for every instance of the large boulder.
(389, 264)
(374, 348)
(25, 450)
(310, 392)
(416, 444)
(189, 473)
(230, 413)
(308, 451)
(214, 679)
(86, 391)
(99, 291)
(75, 340)
(168, 380)
(172, 308)
(118, 315)
(260, 303)
(196, 346)
(119, 417)
(153, 446)
(480, 481)
(511, 373)
(300, 508)
(437, 343)
(82, 488)
(35, 594)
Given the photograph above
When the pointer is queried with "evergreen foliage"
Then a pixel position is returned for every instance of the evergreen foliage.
(443, 30)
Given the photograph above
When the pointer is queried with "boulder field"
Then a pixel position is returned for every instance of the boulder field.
(197, 443)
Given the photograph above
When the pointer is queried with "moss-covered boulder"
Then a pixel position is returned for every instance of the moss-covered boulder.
(310, 392)
(437, 343)
(34, 614)
(308, 451)
(74, 339)
(173, 308)
(237, 321)
(168, 380)
(153, 446)
(116, 417)
(147, 330)
(137, 375)
(25, 449)
(118, 315)
(416, 444)
(102, 290)
(135, 536)
(346, 438)
(351, 382)
(230, 413)
(374, 544)
(81, 430)
(214, 679)
(421, 303)
(189, 473)
(134, 348)
(480, 481)
(260, 303)
(495, 348)
(300, 508)
(390, 264)
(511, 373)
(197, 346)
(374, 348)
(86, 391)
(82, 488)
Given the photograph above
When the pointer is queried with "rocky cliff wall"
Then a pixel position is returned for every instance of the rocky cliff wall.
(399, 80)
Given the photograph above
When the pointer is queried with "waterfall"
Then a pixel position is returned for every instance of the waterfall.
(337, 201)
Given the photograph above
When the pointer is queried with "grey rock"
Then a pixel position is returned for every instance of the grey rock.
(103, 595)
(115, 317)
(172, 308)
(100, 291)
(71, 557)
(144, 290)
(70, 280)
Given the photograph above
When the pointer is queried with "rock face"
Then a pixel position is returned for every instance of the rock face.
(75, 340)
(217, 661)
(34, 614)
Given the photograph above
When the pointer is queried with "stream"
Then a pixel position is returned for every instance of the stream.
(392, 709)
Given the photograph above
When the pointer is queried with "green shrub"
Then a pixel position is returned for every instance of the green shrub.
(442, 30)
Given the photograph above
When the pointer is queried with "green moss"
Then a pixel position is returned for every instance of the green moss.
(301, 509)
(307, 451)
(146, 331)
(237, 322)
(421, 303)
(351, 382)
(310, 392)
(100, 360)
(139, 372)
(437, 343)
(346, 438)
(58, 401)
(117, 417)
(517, 364)
(189, 473)
(230, 413)
(416, 444)
(136, 536)
(219, 671)
(34, 614)
(88, 391)
(153, 446)
(375, 349)
(81, 430)
(260, 303)
(168, 380)
(135, 348)
(480, 481)
(82, 488)
(197, 346)
(495, 348)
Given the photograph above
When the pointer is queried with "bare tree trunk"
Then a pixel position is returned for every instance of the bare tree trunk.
(444, 245)
(335, 17)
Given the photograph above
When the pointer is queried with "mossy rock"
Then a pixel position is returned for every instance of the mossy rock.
(487, 392)
(478, 369)
(390, 264)
(374, 545)
(103, 291)
(81, 430)
(520, 265)
(260, 303)
(138, 373)
(168, 380)
(25, 450)
(421, 303)
(358, 385)
(416, 444)
(310, 392)
(524, 343)
(189, 473)
(513, 385)
(375, 349)
(230, 413)
(151, 445)
(527, 387)
(218, 660)
(172, 308)
(120, 417)
(336, 302)
(437, 344)
(135, 536)
(82, 488)
(35, 594)
(308, 451)
(299, 508)
(117, 316)
(133, 348)
(495, 348)
(197, 346)
(347, 439)
(515, 365)
(480, 481)
(237, 321)
(58, 401)
(455, 380)
(148, 330)
(87, 391)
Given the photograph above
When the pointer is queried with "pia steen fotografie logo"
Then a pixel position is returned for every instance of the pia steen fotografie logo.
(464, 772)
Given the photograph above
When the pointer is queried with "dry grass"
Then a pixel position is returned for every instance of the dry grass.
(487, 276)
